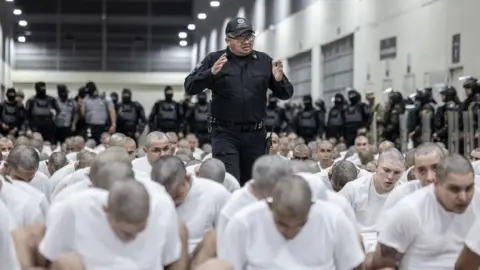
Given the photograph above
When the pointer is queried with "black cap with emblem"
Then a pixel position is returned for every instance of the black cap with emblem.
(238, 26)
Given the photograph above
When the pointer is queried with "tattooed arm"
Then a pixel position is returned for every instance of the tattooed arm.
(385, 257)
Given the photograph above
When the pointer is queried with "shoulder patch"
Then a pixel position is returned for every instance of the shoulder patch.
(199, 65)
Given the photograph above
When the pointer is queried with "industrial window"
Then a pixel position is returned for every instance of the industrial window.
(300, 73)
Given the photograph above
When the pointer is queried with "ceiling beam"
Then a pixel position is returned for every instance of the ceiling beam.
(112, 20)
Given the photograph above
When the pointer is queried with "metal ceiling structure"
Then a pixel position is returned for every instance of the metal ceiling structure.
(106, 35)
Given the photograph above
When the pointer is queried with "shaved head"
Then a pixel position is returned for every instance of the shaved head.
(169, 171)
(428, 148)
(453, 164)
(390, 154)
(56, 161)
(213, 169)
(85, 159)
(129, 202)
(110, 155)
(302, 152)
(154, 136)
(385, 145)
(341, 173)
(266, 171)
(106, 177)
(292, 197)
(117, 139)
(307, 166)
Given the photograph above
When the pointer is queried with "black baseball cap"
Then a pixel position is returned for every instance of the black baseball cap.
(238, 26)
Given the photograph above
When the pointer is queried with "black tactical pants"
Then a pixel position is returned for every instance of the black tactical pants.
(47, 128)
(62, 134)
(95, 132)
(238, 150)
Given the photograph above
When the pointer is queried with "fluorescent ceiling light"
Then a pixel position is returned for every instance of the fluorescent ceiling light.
(22, 23)
(17, 11)
(9, 0)
(202, 16)
(214, 3)
(183, 43)
(182, 35)
(22, 39)
(191, 26)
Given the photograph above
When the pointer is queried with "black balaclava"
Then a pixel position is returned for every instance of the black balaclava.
(62, 92)
(168, 95)
(272, 101)
(114, 98)
(307, 101)
(320, 105)
(450, 94)
(354, 97)
(41, 89)
(202, 98)
(472, 83)
(82, 92)
(423, 96)
(91, 89)
(339, 100)
(11, 95)
(126, 96)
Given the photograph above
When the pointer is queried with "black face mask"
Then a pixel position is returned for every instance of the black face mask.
(41, 93)
(11, 98)
(354, 99)
(63, 95)
(338, 102)
(168, 96)
(126, 99)
(307, 104)
(202, 100)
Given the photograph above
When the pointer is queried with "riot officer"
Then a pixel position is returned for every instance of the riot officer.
(114, 98)
(322, 112)
(198, 119)
(80, 126)
(423, 122)
(290, 113)
(358, 117)
(307, 122)
(336, 120)
(41, 110)
(394, 109)
(275, 115)
(66, 120)
(130, 116)
(166, 115)
(472, 104)
(187, 108)
(12, 116)
(451, 103)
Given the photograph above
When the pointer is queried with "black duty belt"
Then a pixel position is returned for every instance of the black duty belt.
(242, 127)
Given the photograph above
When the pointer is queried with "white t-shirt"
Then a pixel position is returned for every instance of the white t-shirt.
(428, 236)
(400, 192)
(201, 208)
(321, 192)
(142, 164)
(60, 174)
(472, 240)
(231, 183)
(79, 224)
(42, 167)
(42, 183)
(239, 199)
(24, 208)
(99, 149)
(71, 190)
(327, 241)
(38, 197)
(8, 256)
(72, 156)
(70, 179)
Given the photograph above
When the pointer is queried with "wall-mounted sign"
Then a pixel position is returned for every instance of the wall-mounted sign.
(456, 42)
(388, 48)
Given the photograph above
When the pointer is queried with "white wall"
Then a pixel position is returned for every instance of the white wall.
(424, 29)
(147, 88)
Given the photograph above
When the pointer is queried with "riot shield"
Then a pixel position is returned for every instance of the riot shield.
(468, 136)
(403, 133)
(453, 132)
(426, 127)
(373, 130)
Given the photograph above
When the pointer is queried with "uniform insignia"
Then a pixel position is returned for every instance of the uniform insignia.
(241, 21)
(199, 65)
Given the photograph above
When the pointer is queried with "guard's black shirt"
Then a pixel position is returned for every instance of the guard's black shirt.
(239, 89)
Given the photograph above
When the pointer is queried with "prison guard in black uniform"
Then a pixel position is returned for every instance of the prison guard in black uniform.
(238, 107)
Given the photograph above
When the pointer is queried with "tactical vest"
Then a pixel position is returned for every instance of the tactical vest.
(307, 119)
(272, 119)
(335, 118)
(127, 114)
(201, 114)
(67, 109)
(353, 114)
(9, 114)
(41, 108)
(168, 112)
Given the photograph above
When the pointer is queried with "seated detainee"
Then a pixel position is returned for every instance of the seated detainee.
(8, 256)
(215, 170)
(273, 234)
(198, 200)
(113, 229)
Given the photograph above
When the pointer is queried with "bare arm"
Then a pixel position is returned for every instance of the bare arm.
(468, 260)
(183, 262)
(385, 257)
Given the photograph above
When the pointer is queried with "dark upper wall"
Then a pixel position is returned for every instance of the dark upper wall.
(270, 12)
(6, 29)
